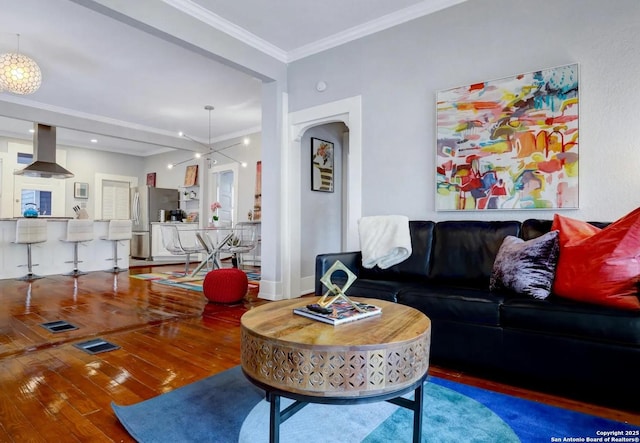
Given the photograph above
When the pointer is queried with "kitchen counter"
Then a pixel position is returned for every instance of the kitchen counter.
(43, 218)
(174, 223)
(52, 254)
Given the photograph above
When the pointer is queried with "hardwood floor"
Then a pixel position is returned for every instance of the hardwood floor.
(51, 391)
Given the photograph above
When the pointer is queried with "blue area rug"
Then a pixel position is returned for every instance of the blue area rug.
(228, 408)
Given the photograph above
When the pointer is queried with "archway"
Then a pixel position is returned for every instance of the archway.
(349, 112)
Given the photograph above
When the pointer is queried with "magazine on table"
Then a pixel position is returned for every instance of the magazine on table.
(338, 312)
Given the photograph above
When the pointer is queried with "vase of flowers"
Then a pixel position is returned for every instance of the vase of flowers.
(214, 208)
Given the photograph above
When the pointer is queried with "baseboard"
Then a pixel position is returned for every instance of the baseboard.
(270, 290)
(307, 285)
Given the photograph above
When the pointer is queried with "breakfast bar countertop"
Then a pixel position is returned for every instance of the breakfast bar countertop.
(44, 217)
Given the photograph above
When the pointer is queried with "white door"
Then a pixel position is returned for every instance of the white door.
(223, 184)
(225, 197)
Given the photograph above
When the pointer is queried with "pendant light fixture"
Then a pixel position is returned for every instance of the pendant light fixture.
(18, 73)
(207, 155)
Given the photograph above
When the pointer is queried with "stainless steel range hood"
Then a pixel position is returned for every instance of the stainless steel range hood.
(44, 154)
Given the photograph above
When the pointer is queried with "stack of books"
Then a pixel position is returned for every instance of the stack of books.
(338, 312)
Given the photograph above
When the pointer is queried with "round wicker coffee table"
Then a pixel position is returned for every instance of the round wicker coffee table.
(373, 359)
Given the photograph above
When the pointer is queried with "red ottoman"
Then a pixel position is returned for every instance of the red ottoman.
(226, 285)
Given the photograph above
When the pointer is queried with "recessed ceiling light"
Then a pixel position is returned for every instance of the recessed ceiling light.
(94, 140)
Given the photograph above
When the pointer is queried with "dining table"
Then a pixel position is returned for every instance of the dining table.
(213, 240)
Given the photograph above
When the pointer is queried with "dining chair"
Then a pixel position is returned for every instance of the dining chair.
(243, 240)
(173, 243)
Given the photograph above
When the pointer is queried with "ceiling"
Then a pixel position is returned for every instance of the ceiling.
(100, 69)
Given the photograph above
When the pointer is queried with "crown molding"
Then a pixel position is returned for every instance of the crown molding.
(224, 25)
(421, 9)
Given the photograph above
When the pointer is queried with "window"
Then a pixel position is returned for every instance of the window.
(115, 199)
(24, 158)
(41, 200)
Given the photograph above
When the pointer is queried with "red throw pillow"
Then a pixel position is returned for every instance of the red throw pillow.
(571, 230)
(600, 266)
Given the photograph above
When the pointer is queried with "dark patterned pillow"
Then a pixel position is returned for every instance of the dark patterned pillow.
(526, 267)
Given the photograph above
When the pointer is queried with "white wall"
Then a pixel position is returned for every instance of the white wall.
(321, 212)
(398, 72)
(84, 164)
(165, 177)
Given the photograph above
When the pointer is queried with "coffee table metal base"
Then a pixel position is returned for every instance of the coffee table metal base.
(278, 416)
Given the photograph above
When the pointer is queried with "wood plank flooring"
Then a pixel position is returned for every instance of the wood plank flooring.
(51, 391)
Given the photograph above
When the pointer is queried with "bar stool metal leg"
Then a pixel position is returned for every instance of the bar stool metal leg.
(76, 272)
(30, 275)
(116, 269)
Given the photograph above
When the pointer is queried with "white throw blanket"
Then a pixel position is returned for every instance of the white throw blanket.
(384, 240)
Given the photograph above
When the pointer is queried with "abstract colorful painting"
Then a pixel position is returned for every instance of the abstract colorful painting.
(510, 143)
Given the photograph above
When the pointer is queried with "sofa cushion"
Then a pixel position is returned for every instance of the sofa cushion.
(533, 227)
(460, 304)
(414, 268)
(526, 267)
(599, 266)
(571, 230)
(569, 318)
(380, 289)
(464, 251)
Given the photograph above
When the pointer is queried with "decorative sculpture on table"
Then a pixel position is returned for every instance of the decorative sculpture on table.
(335, 290)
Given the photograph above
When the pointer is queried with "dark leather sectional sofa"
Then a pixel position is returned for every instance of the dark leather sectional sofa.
(558, 345)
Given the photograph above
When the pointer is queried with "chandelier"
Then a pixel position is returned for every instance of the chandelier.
(210, 151)
(18, 73)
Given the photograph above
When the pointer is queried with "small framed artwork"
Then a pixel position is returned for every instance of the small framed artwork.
(321, 165)
(151, 179)
(81, 190)
(191, 175)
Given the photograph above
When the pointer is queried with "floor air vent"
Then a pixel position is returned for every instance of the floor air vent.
(58, 326)
(96, 346)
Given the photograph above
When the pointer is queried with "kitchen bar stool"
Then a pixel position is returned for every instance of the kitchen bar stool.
(30, 231)
(77, 231)
(118, 230)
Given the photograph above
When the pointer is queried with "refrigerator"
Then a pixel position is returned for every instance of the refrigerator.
(146, 203)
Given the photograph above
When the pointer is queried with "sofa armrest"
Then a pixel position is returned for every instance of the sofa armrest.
(351, 260)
